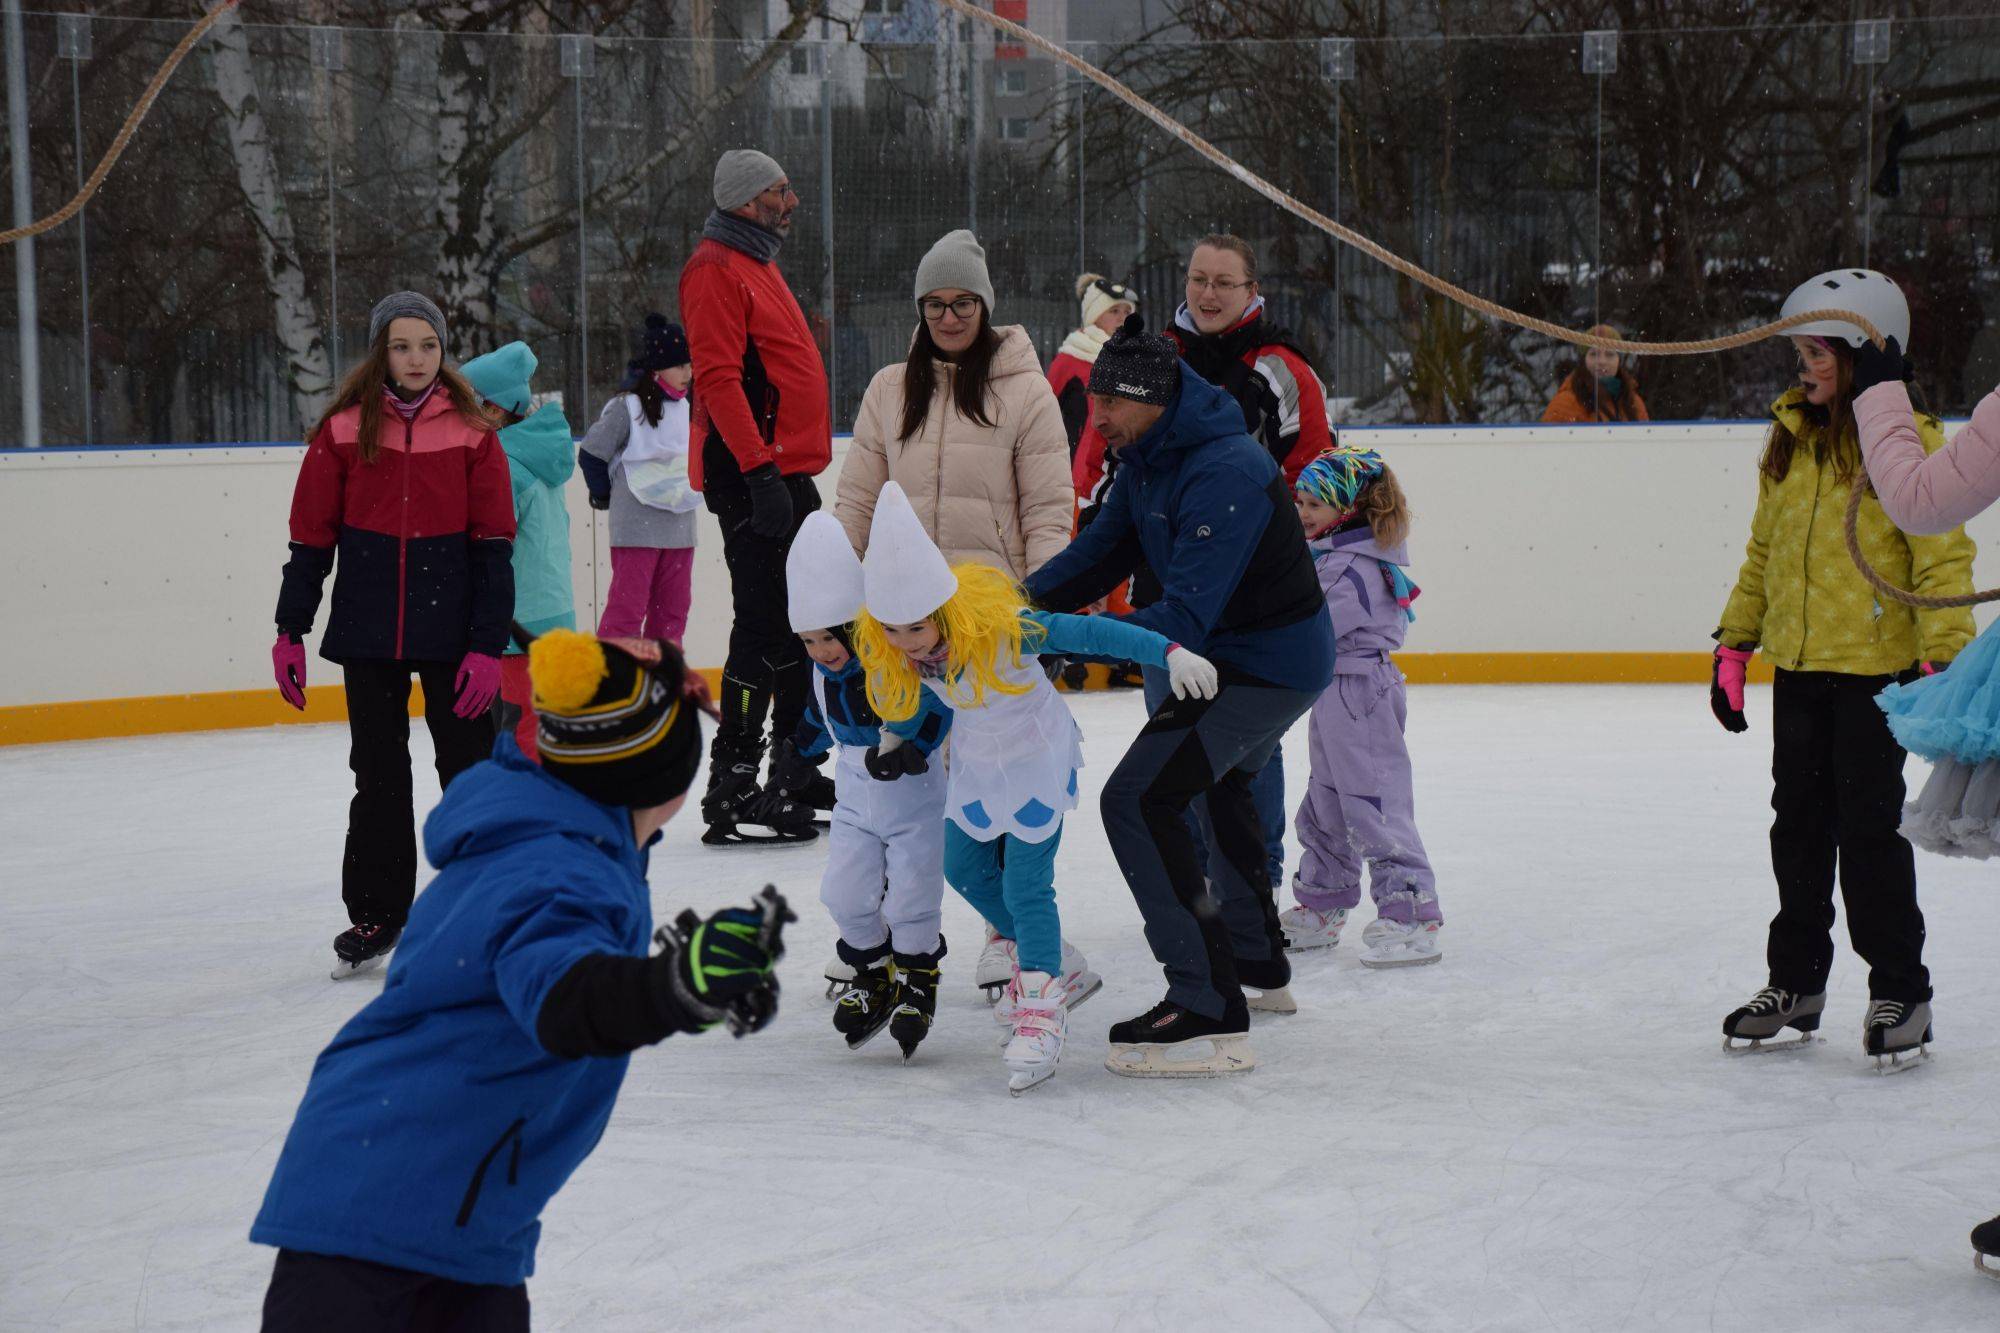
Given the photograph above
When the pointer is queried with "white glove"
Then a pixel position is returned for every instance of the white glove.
(1193, 675)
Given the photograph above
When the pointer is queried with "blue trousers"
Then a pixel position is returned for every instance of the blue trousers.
(1267, 792)
(1013, 885)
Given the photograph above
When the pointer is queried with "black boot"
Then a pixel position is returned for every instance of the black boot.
(798, 776)
(361, 945)
(734, 798)
(916, 997)
(1986, 1245)
(865, 1006)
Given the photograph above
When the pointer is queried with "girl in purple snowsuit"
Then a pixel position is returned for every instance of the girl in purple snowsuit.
(1359, 803)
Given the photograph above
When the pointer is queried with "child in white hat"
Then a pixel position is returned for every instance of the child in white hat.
(967, 635)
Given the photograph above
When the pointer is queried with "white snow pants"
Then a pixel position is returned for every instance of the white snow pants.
(884, 880)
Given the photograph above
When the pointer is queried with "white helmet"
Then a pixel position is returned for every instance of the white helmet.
(1862, 290)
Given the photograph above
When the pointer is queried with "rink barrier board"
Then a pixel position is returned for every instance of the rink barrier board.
(155, 715)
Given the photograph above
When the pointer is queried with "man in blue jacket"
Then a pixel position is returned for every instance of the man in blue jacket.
(1204, 506)
(448, 1111)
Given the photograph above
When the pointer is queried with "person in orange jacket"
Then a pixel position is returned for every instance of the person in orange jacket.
(1601, 388)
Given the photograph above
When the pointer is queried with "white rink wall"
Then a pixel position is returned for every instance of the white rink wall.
(142, 572)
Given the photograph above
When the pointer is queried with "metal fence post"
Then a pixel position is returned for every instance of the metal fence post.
(73, 45)
(25, 305)
(1871, 48)
(579, 63)
(329, 58)
(1336, 66)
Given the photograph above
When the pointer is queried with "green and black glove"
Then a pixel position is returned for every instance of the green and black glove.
(724, 968)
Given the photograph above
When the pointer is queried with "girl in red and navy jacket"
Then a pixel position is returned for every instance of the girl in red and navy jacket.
(405, 479)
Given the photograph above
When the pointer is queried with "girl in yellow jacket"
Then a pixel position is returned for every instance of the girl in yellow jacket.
(1837, 772)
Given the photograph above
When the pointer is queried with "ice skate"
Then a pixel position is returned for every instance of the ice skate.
(1770, 1012)
(864, 1008)
(1266, 984)
(1306, 928)
(1985, 1247)
(1897, 1034)
(995, 968)
(839, 976)
(733, 799)
(1040, 1024)
(363, 947)
(915, 1000)
(1400, 944)
(1168, 1041)
(1078, 981)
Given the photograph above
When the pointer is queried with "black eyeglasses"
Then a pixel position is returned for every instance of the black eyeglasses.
(965, 307)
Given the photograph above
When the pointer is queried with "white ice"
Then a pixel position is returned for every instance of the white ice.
(1540, 1132)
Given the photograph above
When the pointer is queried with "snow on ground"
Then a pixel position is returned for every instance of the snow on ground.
(1538, 1133)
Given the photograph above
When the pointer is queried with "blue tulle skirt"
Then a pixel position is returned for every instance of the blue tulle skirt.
(1953, 720)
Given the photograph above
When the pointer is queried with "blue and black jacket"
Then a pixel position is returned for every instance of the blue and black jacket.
(853, 722)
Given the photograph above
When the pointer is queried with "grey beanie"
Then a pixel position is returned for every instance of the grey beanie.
(741, 174)
(404, 305)
(957, 260)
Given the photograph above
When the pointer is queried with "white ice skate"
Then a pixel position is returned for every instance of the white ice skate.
(996, 967)
(1395, 944)
(1041, 1022)
(839, 976)
(1306, 928)
(1078, 981)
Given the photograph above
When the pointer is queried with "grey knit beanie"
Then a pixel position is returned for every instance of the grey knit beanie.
(956, 261)
(741, 174)
(404, 305)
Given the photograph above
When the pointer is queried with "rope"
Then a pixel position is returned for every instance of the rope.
(1860, 490)
(125, 133)
(1379, 253)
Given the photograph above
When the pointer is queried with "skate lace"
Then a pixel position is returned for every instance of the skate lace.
(1887, 1013)
(1766, 1001)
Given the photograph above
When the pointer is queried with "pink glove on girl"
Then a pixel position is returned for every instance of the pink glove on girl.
(477, 683)
(1725, 688)
(288, 664)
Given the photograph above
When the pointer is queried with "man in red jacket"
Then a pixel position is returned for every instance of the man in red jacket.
(761, 433)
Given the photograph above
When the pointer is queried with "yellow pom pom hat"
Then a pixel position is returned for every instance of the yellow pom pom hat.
(611, 721)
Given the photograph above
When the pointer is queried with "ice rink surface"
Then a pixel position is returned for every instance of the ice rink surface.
(1539, 1133)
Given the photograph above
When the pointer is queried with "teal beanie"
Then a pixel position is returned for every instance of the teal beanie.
(501, 376)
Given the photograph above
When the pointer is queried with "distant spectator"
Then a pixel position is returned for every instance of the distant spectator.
(1602, 388)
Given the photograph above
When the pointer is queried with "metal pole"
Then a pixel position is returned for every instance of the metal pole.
(1338, 248)
(826, 206)
(1082, 245)
(582, 267)
(1597, 241)
(1867, 166)
(24, 249)
(971, 126)
(332, 234)
(82, 248)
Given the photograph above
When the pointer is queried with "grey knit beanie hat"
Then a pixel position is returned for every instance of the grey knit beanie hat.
(404, 305)
(956, 261)
(741, 174)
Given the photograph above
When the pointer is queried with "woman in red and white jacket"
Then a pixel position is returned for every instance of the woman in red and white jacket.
(405, 482)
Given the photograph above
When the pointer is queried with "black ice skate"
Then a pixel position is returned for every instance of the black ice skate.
(1985, 1246)
(1267, 984)
(1168, 1041)
(1897, 1034)
(1770, 1012)
(915, 1000)
(797, 776)
(866, 1005)
(362, 947)
(734, 800)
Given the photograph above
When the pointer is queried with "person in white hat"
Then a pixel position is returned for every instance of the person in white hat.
(966, 634)
(884, 880)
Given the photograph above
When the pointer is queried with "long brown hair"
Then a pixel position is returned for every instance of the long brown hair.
(1386, 508)
(1839, 439)
(369, 380)
(968, 390)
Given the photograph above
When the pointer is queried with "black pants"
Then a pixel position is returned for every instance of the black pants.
(1200, 920)
(766, 668)
(319, 1293)
(1837, 788)
(378, 877)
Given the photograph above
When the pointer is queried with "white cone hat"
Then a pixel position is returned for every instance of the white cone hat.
(822, 575)
(905, 576)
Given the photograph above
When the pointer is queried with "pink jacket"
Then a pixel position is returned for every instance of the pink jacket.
(1928, 493)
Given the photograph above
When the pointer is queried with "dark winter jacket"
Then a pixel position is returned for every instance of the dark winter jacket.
(1261, 366)
(1204, 505)
(760, 385)
(438, 1123)
(851, 721)
(424, 536)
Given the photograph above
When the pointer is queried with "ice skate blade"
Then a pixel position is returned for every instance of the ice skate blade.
(1984, 1269)
(1901, 1062)
(1308, 946)
(736, 837)
(834, 988)
(1420, 960)
(344, 971)
(1182, 1059)
(994, 991)
(1770, 1045)
(1021, 1080)
(1277, 1000)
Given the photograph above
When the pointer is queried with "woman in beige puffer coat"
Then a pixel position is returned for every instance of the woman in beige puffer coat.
(967, 426)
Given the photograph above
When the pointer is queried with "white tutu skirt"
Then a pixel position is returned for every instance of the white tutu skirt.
(1953, 720)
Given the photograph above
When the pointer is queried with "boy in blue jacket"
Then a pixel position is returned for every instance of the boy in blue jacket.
(446, 1114)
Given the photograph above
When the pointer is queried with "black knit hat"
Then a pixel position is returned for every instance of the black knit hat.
(1138, 365)
(662, 345)
(612, 722)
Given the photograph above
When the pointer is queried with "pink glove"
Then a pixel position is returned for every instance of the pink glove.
(477, 683)
(288, 664)
(1725, 687)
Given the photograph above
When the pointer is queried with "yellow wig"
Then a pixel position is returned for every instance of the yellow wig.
(981, 621)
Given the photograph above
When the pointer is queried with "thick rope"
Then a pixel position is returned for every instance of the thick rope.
(125, 133)
(1381, 254)
(1860, 490)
